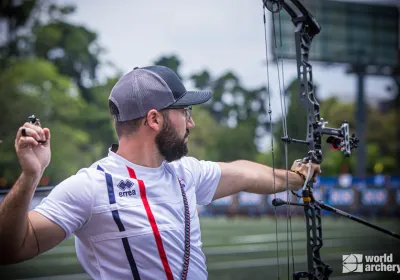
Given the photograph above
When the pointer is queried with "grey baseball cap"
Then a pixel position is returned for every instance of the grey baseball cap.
(152, 87)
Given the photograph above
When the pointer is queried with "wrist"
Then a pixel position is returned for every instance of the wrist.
(31, 178)
(298, 178)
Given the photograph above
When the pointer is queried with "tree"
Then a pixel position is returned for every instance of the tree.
(47, 64)
(33, 86)
(15, 17)
(73, 49)
(171, 61)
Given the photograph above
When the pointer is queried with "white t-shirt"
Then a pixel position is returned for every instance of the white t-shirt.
(129, 220)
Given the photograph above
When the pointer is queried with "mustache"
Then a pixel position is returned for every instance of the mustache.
(187, 133)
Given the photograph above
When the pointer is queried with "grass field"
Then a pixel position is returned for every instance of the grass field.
(244, 248)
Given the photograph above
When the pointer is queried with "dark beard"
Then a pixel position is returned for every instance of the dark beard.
(168, 143)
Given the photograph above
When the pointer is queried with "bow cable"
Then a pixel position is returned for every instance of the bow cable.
(272, 138)
(282, 95)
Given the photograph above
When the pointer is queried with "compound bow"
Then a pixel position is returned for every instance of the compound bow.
(306, 28)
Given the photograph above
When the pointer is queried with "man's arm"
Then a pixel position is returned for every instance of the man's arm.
(242, 175)
(23, 235)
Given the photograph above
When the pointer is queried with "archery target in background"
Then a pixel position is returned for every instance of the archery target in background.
(377, 197)
(343, 197)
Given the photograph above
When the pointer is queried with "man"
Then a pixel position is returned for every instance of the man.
(133, 212)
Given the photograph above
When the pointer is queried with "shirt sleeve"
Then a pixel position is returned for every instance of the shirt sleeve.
(206, 176)
(70, 203)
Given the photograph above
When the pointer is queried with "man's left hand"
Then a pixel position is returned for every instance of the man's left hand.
(302, 167)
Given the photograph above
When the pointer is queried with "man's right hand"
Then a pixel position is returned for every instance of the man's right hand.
(33, 156)
(24, 234)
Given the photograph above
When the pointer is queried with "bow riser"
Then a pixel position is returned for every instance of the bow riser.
(317, 269)
(306, 89)
(306, 28)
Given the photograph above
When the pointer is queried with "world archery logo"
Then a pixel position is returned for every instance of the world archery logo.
(379, 263)
(126, 186)
(352, 263)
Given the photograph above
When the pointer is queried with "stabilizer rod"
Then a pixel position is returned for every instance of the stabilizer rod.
(279, 202)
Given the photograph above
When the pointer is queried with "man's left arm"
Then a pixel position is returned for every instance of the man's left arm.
(243, 175)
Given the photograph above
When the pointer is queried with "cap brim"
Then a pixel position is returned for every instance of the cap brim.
(194, 98)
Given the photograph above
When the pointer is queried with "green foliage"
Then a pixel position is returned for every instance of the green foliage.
(15, 17)
(172, 62)
(203, 139)
(32, 86)
(235, 143)
(73, 49)
(58, 84)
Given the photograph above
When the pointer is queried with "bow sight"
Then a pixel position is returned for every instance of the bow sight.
(306, 28)
(340, 139)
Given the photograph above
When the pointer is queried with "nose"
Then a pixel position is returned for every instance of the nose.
(190, 123)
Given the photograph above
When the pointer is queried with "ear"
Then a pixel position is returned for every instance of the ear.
(155, 120)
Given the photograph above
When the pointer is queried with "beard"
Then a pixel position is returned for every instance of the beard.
(169, 144)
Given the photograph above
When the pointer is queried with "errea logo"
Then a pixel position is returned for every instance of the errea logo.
(126, 186)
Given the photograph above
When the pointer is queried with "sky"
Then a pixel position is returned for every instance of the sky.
(218, 36)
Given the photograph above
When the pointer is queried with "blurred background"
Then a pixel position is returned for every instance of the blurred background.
(60, 59)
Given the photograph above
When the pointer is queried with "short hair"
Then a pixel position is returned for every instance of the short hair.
(128, 127)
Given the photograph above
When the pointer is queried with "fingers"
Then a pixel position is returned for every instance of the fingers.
(306, 167)
(297, 164)
(47, 136)
(38, 130)
(317, 171)
(316, 168)
(300, 165)
(25, 141)
(26, 132)
(34, 132)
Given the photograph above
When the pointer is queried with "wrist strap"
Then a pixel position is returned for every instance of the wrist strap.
(301, 175)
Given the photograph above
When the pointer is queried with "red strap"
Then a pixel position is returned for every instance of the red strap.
(152, 221)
